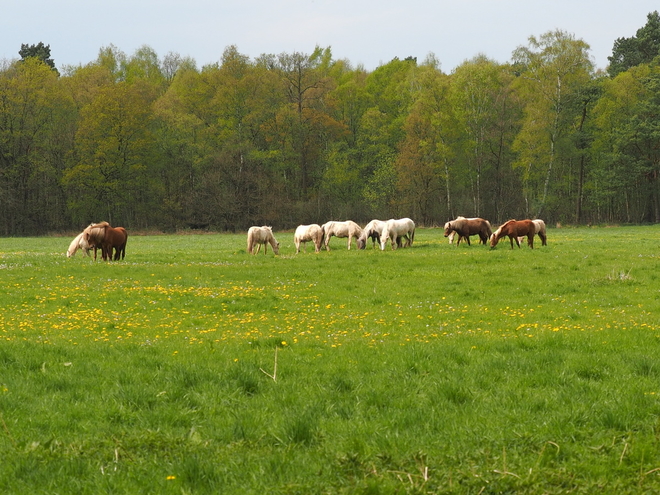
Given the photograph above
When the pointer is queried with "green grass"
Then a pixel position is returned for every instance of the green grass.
(434, 369)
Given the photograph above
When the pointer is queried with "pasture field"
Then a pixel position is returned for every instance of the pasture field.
(192, 367)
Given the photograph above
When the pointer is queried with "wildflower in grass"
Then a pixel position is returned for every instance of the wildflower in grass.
(170, 477)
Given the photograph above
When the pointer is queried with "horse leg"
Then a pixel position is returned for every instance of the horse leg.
(530, 241)
(544, 239)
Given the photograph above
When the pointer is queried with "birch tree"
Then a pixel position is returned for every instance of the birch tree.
(552, 68)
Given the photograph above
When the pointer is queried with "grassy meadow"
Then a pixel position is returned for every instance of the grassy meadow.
(192, 367)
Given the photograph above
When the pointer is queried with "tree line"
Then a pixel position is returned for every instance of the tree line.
(151, 143)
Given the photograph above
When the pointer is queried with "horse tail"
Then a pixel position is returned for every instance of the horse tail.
(322, 234)
(250, 242)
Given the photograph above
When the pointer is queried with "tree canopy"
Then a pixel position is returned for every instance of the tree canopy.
(39, 51)
(291, 138)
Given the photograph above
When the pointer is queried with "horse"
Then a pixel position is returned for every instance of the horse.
(539, 227)
(305, 233)
(394, 230)
(465, 227)
(78, 243)
(108, 238)
(261, 235)
(93, 236)
(372, 230)
(515, 229)
(348, 229)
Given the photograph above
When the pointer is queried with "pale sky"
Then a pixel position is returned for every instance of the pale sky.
(365, 32)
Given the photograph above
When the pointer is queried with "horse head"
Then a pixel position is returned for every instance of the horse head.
(448, 229)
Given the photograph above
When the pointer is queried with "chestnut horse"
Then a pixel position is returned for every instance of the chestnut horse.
(539, 227)
(515, 229)
(465, 227)
(107, 238)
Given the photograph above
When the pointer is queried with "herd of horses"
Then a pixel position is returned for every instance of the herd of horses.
(100, 236)
(395, 231)
(398, 232)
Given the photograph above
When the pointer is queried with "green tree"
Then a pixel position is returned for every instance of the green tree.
(306, 122)
(426, 154)
(35, 117)
(390, 92)
(629, 112)
(487, 113)
(38, 51)
(115, 148)
(639, 49)
(553, 69)
(615, 189)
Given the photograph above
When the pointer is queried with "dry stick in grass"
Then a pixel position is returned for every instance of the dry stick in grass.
(274, 375)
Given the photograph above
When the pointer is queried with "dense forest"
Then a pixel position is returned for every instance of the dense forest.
(151, 143)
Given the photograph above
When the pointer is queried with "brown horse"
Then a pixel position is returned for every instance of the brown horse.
(539, 226)
(107, 238)
(465, 227)
(514, 229)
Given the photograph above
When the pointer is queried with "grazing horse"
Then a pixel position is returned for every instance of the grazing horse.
(261, 235)
(539, 228)
(93, 236)
(78, 243)
(515, 229)
(372, 230)
(348, 229)
(305, 233)
(107, 238)
(394, 230)
(465, 227)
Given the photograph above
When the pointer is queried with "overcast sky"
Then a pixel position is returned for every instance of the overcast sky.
(366, 32)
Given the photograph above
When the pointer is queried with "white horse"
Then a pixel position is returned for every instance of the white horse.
(373, 229)
(539, 229)
(348, 229)
(261, 235)
(78, 243)
(394, 230)
(306, 233)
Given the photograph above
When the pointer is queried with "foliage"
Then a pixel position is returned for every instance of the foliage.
(636, 50)
(301, 138)
(38, 51)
